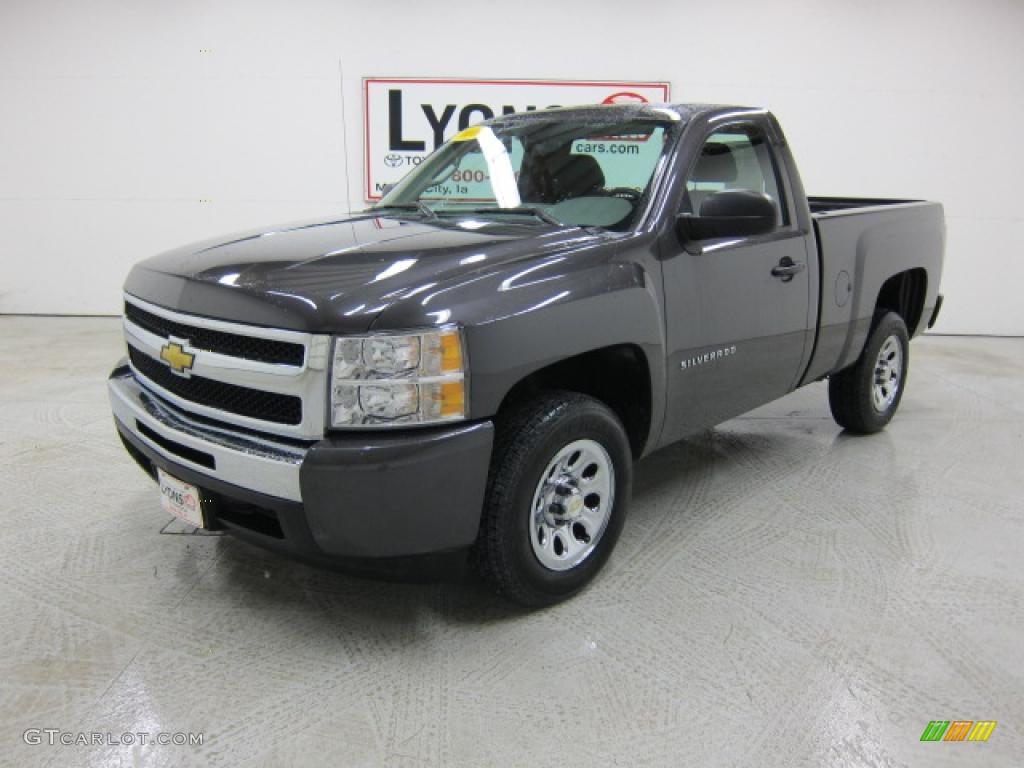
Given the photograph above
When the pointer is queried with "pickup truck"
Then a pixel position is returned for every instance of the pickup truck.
(473, 364)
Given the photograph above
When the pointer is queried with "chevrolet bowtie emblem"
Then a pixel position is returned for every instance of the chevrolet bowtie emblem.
(176, 357)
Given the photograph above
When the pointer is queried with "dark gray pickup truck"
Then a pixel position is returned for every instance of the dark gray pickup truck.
(474, 364)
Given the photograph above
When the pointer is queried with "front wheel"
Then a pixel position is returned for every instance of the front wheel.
(864, 397)
(559, 485)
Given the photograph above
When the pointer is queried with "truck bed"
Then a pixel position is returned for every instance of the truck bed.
(862, 242)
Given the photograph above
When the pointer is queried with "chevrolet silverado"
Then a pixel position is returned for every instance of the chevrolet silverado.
(473, 364)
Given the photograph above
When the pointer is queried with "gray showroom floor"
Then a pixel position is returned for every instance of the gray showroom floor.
(783, 595)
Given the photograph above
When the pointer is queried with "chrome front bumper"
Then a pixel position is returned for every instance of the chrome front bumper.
(249, 461)
(371, 495)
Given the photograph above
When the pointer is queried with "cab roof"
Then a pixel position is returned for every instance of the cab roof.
(681, 113)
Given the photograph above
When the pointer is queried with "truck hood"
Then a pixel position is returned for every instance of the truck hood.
(335, 276)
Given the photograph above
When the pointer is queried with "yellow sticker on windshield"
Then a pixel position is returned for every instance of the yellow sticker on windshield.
(468, 134)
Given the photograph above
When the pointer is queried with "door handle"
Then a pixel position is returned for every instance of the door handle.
(787, 268)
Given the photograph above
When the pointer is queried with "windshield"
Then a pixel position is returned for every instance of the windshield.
(576, 172)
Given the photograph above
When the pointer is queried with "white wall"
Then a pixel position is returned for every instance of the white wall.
(115, 126)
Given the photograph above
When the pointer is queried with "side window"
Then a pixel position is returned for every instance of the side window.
(735, 157)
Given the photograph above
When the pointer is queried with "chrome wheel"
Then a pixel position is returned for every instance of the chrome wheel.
(572, 505)
(888, 374)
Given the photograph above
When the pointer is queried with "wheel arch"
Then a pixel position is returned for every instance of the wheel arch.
(617, 375)
(905, 293)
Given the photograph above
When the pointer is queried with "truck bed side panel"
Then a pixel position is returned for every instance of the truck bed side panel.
(834, 204)
(861, 248)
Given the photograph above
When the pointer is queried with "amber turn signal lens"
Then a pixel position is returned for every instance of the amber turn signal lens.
(451, 353)
(453, 399)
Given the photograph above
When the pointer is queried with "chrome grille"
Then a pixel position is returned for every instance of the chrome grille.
(232, 344)
(239, 374)
(242, 401)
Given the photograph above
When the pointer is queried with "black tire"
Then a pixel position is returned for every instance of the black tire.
(526, 440)
(851, 392)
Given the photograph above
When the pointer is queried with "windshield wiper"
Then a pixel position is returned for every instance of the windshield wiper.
(418, 205)
(539, 213)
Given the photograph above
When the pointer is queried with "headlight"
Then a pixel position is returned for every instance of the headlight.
(388, 379)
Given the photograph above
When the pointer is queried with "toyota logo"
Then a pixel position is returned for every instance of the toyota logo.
(393, 161)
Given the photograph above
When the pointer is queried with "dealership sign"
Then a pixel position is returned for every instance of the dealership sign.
(408, 118)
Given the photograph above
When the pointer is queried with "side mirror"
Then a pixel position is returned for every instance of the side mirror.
(732, 213)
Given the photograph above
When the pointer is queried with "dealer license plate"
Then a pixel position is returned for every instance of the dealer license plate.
(180, 499)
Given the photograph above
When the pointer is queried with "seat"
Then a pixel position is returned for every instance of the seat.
(559, 176)
(716, 165)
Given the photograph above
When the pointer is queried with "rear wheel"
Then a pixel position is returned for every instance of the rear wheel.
(557, 493)
(864, 397)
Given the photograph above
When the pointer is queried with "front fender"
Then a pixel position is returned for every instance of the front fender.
(535, 313)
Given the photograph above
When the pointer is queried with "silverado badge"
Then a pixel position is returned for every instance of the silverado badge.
(173, 353)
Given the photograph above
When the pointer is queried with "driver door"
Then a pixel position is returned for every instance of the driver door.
(737, 325)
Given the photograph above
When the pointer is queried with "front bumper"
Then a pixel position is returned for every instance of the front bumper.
(382, 495)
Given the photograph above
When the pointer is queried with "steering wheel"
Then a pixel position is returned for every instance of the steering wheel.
(625, 193)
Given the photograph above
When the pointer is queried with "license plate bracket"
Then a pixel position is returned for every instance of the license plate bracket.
(180, 499)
